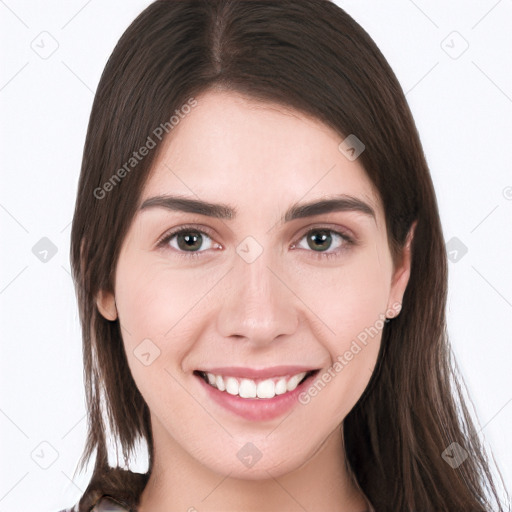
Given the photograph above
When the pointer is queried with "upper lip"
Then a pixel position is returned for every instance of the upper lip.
(253, 373)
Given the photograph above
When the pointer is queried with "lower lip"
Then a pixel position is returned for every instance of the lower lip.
(257, 409)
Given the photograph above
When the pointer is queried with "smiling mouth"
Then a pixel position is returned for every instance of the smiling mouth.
(255, 389)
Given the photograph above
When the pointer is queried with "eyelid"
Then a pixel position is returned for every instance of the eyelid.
(204, 230)
(348, 241)
(346, 234)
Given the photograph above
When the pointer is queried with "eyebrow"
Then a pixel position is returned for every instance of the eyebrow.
(223, 211)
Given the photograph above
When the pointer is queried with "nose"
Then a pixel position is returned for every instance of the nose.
(258, 304)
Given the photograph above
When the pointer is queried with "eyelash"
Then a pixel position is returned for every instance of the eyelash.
(165, 239)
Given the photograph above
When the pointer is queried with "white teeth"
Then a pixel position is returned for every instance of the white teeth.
(232, 386)
(265, 389)
(219, 381)
(280, 387)
(294, 382)
(247, 388)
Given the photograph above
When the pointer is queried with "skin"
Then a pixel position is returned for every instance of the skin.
(291, 305)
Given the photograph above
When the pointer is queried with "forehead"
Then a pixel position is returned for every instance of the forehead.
(233, 147)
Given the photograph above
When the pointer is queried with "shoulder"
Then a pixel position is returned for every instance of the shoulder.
(105, 504)
(112, 490)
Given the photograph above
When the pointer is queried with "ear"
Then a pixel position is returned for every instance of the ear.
(106, 303)
(401, 275)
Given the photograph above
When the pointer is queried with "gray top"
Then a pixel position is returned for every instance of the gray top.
(105, 504)
(109, 505)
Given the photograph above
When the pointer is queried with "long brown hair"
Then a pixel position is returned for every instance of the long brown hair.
(309, 55)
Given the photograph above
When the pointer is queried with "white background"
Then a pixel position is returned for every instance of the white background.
(462, 108)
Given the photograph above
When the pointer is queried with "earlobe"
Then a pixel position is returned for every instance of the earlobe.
(106, 303)
(401, 275)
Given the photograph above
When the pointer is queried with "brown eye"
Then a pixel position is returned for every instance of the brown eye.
(187, 240)
(321, 240)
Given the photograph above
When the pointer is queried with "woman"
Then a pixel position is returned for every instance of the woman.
(261, 273)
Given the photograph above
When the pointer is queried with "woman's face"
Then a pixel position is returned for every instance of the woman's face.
(262, 284)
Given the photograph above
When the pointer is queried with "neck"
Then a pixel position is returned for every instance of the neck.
(179, 482)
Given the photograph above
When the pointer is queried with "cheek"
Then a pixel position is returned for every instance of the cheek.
(157, 308)
(350, 297)
(351, 302)
(149, 311)
(154, 300)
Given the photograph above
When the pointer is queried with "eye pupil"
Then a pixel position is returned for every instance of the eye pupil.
(189, 240)
(325, 238)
